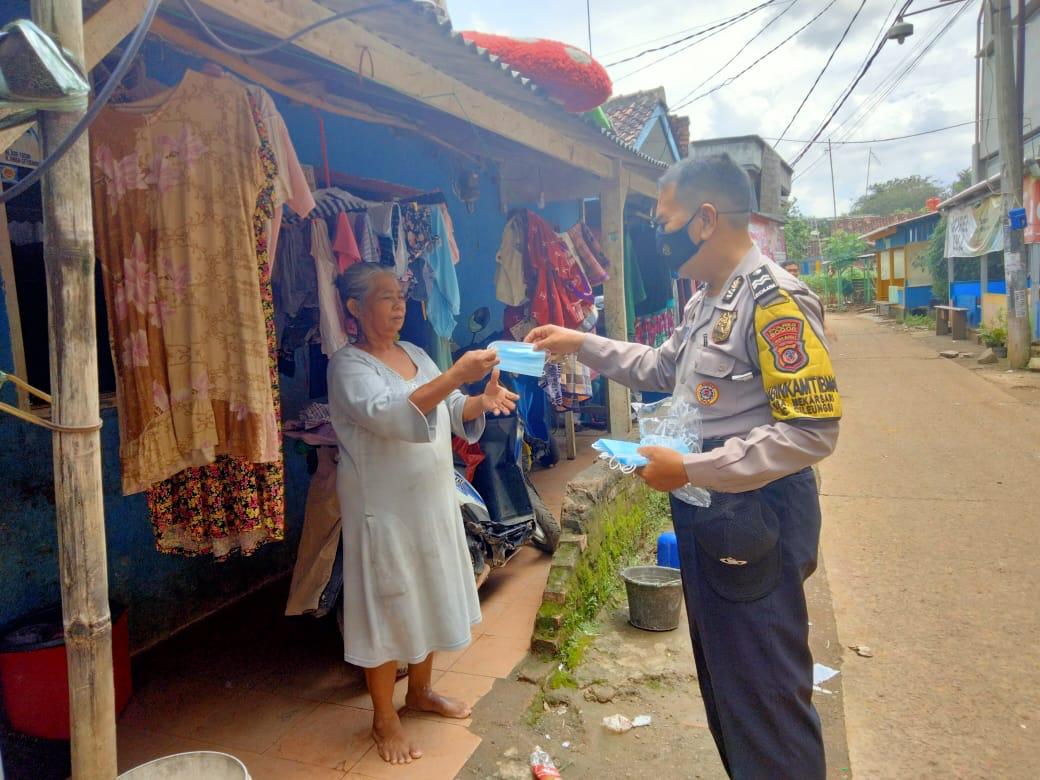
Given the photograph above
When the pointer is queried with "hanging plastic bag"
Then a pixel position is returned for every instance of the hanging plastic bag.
(36, 74)
(676, 424)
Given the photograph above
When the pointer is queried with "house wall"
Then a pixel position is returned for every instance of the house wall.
(656, 144)
(165, 592)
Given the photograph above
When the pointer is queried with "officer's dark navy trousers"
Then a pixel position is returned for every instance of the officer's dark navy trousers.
(753, 661)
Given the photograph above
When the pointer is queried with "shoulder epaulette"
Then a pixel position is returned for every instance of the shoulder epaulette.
(764, 287)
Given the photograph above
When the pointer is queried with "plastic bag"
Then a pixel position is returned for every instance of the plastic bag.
(36, 74)
(542, 766)
(674, 423)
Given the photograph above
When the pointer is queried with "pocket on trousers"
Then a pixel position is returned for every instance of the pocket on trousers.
(385, 555)
(738, 545)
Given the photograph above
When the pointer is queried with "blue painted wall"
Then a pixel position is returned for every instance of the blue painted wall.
(166, 592)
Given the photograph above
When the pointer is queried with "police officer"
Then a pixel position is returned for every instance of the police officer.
(751, 354)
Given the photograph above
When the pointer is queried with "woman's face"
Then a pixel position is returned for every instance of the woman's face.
(382, 312)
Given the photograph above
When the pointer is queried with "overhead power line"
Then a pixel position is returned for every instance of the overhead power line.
(823, 70)
(731, 79)
(670, 44)
(881, 140)
(884, 88)
(740, 51)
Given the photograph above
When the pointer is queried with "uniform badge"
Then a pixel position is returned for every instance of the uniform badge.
(764, 286)
(734, 288)
(785, 339)
(723, 326)
(707, 394)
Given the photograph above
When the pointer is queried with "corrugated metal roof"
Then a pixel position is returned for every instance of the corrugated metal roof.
(881, 232)
(418, 27)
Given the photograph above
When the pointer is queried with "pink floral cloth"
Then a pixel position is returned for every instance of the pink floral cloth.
(176, 181)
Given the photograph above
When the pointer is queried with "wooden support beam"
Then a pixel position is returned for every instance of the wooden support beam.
(612, 218)
(68, 254)
(347, 43)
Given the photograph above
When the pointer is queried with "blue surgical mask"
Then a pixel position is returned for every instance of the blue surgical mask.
(677, 248)
(519, 358)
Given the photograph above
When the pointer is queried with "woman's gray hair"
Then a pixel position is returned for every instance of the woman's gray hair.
(356, 282)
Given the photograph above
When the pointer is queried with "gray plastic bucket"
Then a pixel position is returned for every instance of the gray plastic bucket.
(190, 766)
(654, 597)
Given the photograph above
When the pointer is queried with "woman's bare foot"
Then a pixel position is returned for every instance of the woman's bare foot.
(393, 745)
(429, 701)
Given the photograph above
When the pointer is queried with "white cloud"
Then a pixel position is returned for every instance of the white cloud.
(939, 92)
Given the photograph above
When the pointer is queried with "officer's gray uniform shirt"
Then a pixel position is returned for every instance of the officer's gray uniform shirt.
(732, 368)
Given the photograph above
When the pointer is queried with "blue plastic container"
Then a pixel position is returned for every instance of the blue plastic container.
(668, 550)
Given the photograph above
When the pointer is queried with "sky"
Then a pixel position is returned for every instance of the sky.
(939, 92)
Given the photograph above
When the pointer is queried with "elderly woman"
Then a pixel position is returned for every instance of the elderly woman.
(408, 582)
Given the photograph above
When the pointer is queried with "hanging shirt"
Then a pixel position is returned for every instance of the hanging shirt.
(345, 244)
(510, 284)
(449, 233)
(443, 305)
(368, 242)
(332, 320)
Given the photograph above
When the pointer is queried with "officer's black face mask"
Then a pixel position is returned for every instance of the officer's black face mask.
(677, 248)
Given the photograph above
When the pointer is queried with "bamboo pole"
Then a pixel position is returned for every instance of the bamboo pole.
(612, 221)
(83, 568)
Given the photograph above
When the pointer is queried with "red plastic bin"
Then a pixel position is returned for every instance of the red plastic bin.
(34, 671)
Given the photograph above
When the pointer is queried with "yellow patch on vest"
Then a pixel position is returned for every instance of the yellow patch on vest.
(796, 368)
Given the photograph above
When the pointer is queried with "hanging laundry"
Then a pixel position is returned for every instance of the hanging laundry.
(345, 246)
(330, 202)
(185, 313)
(510, 279)
(232, 505)
(635, 293)
(593, 260)
(450, 232)
(367, 240)
(444, 301)
(562, 294)
(332, 320)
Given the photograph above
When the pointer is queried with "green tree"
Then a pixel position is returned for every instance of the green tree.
(842, 249)
(797, 233)
(933, 259)
(964, 180)
(897, 195)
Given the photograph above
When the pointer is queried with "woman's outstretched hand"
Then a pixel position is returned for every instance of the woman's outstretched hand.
(474, 365)
(497, 399)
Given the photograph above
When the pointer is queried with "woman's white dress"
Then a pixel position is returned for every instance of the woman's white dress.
(408, 586)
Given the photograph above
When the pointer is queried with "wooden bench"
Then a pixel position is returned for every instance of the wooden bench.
(951, 318)
(882, 308)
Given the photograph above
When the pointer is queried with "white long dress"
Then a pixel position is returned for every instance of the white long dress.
(408, 587)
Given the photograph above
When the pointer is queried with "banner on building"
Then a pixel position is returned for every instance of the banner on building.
(1031, 201)
(973, 231)
(769, 235)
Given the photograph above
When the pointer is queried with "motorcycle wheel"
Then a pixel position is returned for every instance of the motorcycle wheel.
(547, 528)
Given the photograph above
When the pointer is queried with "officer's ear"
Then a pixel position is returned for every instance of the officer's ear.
(709, 221)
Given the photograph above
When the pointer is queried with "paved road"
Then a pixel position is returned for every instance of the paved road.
(931, 536)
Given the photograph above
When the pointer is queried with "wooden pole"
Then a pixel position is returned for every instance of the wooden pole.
(612, 219)
(69, 259)
(1010, 134)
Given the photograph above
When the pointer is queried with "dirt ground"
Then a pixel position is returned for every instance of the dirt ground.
(930, 529)
(641, 673)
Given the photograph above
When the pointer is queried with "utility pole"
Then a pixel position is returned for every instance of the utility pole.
(834, 192)
(1010, 131)
(68, 251)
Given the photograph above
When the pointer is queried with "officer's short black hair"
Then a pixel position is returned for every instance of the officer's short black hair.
(715, 179)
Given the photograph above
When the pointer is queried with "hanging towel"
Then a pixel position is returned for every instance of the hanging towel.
(443, 306)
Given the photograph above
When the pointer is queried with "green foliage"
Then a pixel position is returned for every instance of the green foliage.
(897, 195)
(933, 260)
(996, 334)
(923, 321)
(827, 287)
(797, 233)
(628, 525)
(964, 180)
(842, 249)
(561, 678)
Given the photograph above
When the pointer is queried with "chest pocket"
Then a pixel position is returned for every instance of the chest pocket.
(712, 384)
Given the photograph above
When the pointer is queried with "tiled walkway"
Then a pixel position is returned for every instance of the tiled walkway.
(273, 690)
